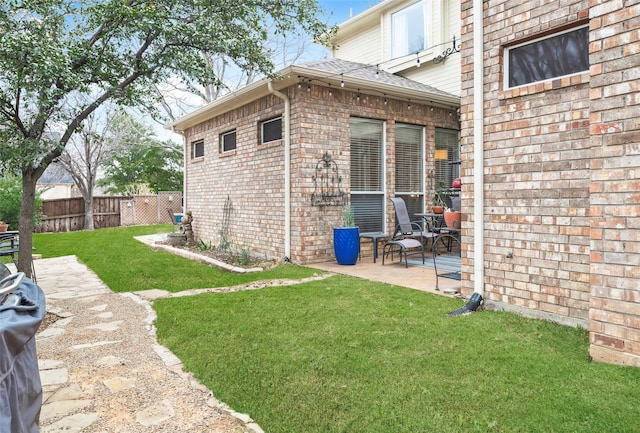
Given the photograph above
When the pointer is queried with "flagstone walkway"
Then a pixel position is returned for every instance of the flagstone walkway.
(103, 371)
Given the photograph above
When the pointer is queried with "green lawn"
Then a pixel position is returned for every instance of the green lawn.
(349, 355)
(126, 264)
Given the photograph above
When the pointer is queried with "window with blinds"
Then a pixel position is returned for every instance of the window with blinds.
(367, 173)
(410, 166)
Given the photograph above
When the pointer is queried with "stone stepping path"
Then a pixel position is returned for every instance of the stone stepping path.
(103, 371)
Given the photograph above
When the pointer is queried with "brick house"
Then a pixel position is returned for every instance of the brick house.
(254, 159)
(551, 163)
(550, 152)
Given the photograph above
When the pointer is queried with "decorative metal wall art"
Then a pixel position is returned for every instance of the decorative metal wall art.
(449, 51)
(327, 183)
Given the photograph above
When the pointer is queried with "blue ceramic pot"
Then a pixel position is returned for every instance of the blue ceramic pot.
(346, 244)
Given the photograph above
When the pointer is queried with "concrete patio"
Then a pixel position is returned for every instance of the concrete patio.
(414, 277)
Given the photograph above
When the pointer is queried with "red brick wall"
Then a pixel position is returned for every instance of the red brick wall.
(615, 182)
(253, 177)
(561, 173)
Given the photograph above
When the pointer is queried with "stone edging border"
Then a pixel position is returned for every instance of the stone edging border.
(173, 363)
(203, 259)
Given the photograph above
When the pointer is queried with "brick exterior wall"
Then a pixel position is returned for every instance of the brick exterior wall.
(560, 173)
(615, 181)
(252, 176)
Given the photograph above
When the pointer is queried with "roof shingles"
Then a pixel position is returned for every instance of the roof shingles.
(340, 67)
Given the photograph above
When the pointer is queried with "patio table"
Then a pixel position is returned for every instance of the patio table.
(433, 220)
(375, 237)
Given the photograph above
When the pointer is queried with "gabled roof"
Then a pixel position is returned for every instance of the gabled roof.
(366, 79)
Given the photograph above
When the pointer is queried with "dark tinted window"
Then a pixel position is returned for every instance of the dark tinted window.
(556, 56)
(197, 149)
(271, 130)
(228, 141)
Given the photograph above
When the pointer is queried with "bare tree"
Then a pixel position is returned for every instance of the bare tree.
(183, 95)
(85, 152)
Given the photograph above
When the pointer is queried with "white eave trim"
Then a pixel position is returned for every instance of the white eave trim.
(290, 76)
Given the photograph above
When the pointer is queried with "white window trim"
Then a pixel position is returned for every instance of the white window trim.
(193, 149)
(435, 24)
(385, 192)
(224, 134)
(505, 78)
(264, 122)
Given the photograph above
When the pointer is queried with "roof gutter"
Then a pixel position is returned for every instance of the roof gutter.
(287, 169)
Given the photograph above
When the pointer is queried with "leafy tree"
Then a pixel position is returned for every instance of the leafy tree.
(139, 169)
(60, 60)
(163, 167)
(140, 163)
(180, 96)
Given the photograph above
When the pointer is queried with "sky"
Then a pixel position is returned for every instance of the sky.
(342, 10)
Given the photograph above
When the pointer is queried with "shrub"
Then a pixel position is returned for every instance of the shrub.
(10, 199)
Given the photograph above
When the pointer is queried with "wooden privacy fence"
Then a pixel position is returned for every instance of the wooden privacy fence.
(67, 214)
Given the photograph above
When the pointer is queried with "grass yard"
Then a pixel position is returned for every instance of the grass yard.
(126, 264)
(349, 355)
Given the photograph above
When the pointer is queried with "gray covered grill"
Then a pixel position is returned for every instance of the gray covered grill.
(22, 308)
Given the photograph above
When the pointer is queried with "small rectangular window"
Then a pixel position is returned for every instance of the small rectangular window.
(228, 141)
(197, 149)
(271, 130)
(554, 56)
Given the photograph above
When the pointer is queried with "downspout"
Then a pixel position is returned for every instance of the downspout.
(478, 162)
(478, 146)
(287, 169)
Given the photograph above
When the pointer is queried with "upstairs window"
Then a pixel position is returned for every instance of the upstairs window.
(409, 30)
(228, 141)
(197, 149)
(271, 130)
(554, 56)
